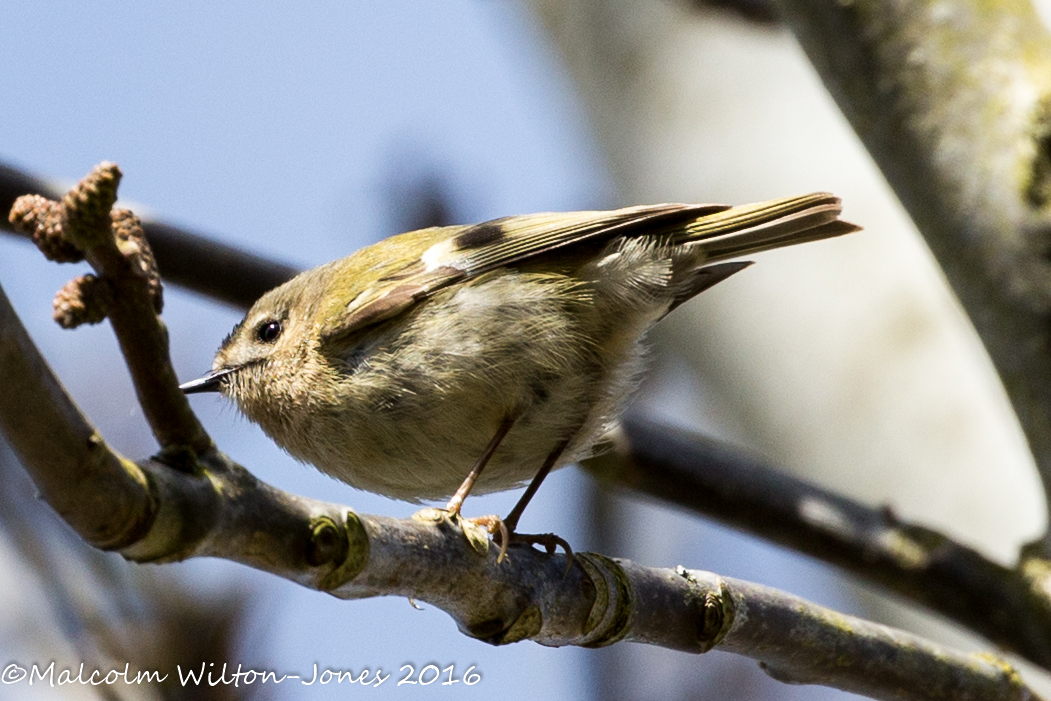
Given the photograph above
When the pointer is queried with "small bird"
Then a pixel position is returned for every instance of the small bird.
(477, 358)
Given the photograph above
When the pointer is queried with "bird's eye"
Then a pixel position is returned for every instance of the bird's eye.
(268, 331)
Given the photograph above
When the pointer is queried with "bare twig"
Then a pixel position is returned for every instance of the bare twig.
(952, 101)
(104, 497)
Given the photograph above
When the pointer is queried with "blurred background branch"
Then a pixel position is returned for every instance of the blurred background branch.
(761, 12)
(1007, 606)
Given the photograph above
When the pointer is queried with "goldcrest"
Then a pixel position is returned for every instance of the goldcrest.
(510, 345)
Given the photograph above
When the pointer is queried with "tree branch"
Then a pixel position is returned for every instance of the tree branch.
(952, 100)
(1008, 606)
(221, 510)
(104, 497)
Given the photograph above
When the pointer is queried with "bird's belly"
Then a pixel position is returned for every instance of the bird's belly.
(420, 452)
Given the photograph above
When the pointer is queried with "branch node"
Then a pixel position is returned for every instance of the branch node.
(712, 620)
(490, 630)
(525, 627)
(610, 615)
(715, 612)
(327, 544)
(496, 631)
(180, 458)
(345, 550)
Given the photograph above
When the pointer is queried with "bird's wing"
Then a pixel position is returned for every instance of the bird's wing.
(455, 254)
(468, 252)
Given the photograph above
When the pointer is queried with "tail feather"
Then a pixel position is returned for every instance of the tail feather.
(825, 231)
(759, 227)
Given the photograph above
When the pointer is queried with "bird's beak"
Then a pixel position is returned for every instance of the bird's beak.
(208, 383)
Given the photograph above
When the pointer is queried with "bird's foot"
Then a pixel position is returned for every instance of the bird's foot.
(505, 537)
(494, 526)
(476, 530)
(550, 541)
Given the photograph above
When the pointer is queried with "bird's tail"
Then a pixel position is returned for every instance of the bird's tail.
(752, 228)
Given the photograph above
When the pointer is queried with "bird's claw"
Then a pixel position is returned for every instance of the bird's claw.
(550, 541)
(495, 526)
(504, 537)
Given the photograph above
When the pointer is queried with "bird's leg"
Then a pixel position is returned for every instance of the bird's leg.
(516, 513)
(456, 503)
(505, 528)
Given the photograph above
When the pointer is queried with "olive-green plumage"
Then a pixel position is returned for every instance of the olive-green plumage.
(392, 369)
